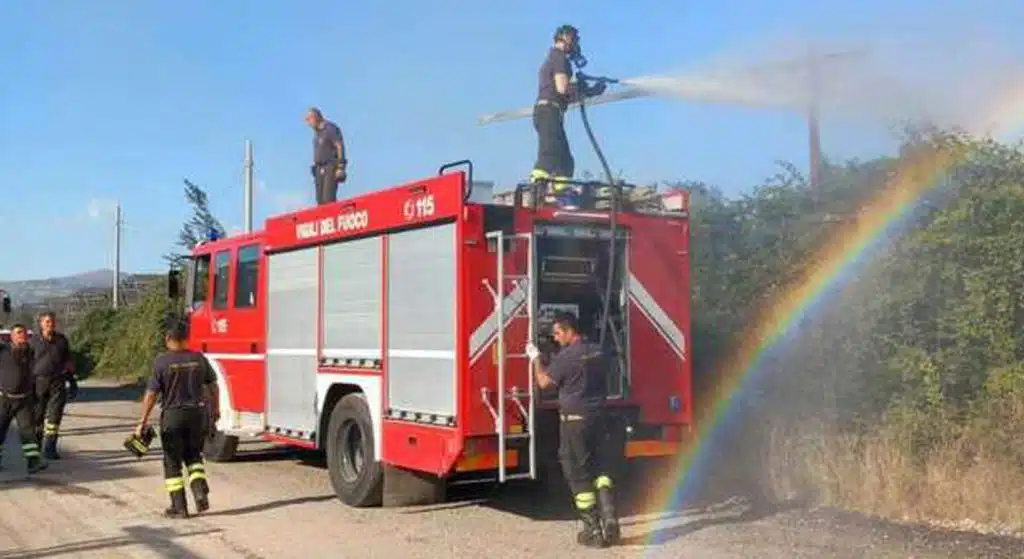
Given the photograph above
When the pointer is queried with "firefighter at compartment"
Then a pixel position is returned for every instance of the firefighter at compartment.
(17, 395)
(555, 164)
(55, 382)
(329, 163)
(185, 384)
(578, 372)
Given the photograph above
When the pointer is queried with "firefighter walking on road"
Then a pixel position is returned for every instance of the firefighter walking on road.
(185, 384)
(17, 395)
(55, 382)
(578, 371)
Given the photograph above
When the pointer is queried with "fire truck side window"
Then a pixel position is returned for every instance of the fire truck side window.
(201, 281)
(222, 263)
(246, 275)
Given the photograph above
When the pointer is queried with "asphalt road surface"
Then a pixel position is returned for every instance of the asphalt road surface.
(101, 502)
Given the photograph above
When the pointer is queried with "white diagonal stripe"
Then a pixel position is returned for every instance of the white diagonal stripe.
(658, 317)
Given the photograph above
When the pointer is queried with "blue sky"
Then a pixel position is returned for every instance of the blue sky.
(105, 101)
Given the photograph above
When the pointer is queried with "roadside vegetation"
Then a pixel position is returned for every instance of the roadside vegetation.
(901, 396)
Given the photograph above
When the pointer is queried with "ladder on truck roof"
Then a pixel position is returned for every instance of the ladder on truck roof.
(515, 394)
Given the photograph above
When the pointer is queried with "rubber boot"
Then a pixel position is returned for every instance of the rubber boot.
(179, 506)
(201, 494)
(609, 519)
(50, 447)
(591, 535)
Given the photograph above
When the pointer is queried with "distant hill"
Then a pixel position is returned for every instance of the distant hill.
(27, 292)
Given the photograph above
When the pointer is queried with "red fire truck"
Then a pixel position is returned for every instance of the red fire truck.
(388, 330)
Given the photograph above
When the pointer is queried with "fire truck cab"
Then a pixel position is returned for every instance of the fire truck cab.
(388, 330)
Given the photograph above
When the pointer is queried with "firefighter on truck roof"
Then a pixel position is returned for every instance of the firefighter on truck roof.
(329, 163)
(17, 395)
(180, 378)
(578, 372)
(555, 163)
(55, 382)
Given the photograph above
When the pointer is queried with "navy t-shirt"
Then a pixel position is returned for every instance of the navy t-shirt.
(179, 378)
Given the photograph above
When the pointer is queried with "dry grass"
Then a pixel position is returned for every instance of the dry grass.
(968, 479)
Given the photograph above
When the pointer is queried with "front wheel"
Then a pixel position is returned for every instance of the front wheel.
(356, 473)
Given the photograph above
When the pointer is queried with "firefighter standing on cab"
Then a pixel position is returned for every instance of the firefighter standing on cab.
(180, 379)
(17, 395)
(578, 371)
(55, 381)
(555, 163)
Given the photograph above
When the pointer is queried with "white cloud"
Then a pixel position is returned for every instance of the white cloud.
(100, 208)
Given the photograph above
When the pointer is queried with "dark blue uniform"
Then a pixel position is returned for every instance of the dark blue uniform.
(52, 377)
(179, 379)
(579, 372)
(554, 158)
(16, 399)
(326, 165)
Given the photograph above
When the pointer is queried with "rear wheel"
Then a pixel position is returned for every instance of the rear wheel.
(356, 473)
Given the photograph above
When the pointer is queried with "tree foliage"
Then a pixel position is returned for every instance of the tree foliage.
(198, 227)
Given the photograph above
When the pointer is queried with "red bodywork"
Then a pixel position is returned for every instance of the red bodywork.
(658, 262)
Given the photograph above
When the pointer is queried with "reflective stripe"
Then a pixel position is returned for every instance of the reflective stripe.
(30, 450)
(50, 428)
(586, 500)
(603, 482)
(196, 471)
(174, 484)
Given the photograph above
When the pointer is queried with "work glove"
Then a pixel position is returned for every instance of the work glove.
(532, 352)
(340, 173)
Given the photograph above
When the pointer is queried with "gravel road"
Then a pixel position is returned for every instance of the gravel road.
(100, 502)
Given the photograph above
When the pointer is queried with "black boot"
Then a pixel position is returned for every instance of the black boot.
(50, 447)
(179, 507)
(609, 519)
(590, 535)
(201, 493)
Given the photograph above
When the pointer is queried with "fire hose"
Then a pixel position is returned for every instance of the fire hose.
(582, 80)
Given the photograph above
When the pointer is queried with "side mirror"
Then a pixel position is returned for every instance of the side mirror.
(173, 284)
(7, 304)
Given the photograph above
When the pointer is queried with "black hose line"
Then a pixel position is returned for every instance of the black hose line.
(613, 224)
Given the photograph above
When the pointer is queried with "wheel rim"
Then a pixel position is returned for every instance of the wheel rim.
(352, 457)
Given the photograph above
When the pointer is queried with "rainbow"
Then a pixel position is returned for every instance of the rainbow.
(852, 243)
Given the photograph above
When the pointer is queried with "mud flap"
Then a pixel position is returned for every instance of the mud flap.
(403, 488)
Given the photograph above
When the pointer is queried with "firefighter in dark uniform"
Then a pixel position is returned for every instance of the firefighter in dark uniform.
(555, 164)
(17, 395)
(329, 163)
(185, 384)
(578, 372)
(55, 381)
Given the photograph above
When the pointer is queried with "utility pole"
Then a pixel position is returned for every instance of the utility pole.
(115, 296)
(248, 186)
(815, 88)
(813, 126)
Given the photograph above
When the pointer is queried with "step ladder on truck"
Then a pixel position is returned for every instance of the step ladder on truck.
(388, 331)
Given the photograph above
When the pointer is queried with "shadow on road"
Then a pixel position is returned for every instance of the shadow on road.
(160, 540)
(271, 505)
(129, 392)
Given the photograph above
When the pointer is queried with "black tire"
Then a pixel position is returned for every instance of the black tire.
(218, 447)
(356, 473)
